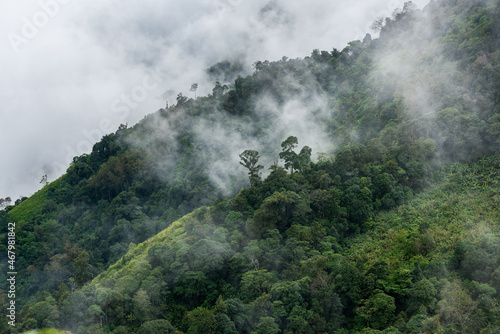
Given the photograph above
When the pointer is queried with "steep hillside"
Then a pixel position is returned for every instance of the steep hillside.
(377, 122)
(429, 266)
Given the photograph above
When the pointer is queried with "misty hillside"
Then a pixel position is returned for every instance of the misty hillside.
(350, 191)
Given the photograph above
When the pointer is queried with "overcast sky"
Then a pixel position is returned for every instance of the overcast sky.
(72, 71)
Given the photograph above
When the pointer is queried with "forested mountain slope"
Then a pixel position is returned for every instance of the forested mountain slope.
(271, 264)
(376, 121)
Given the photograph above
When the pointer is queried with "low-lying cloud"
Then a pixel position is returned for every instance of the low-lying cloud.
(59, 85)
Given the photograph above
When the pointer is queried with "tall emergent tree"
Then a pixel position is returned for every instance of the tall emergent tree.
(303, 160)
(249, 160)
(288, 154)
(194, 88)
(82, 268)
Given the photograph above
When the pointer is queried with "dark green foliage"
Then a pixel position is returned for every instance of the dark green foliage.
(293, 276)
(344, 244)
(249, 160)
(82, 268)
(267, 325)
(288, 154)
(378, 310)
(157, 327)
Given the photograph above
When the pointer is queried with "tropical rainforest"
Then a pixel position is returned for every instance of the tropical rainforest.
(349, 191)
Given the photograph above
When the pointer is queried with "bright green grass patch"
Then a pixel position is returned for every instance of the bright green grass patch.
(33, 207)
(430, 226)
(47, 331)
(174, 233)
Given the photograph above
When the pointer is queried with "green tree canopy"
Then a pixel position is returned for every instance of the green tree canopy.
(249, 160)
(287, 152)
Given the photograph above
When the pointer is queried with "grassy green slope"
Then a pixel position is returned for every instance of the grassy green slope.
(465, 207)
(300, 233)
(47, 331)
(130, 262)
(34, 206)
(431, 238)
